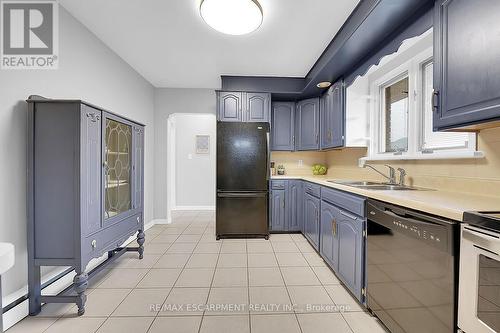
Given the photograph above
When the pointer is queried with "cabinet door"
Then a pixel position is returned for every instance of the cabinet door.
(258, 107)
(466, 55)
(229, 106)
(295, 205)
(278, 210)
(325, 120)
(350, 250)
(138, 167)
(328, 237)
(307, 124)
(91, 120)
(117, 174)
(337, 115)
(311, 221)
(332, 117)
(283, 126)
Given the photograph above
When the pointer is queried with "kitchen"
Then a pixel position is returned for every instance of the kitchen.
(344, 180)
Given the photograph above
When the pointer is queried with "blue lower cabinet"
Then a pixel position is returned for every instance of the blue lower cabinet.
(328, 238)
(295, 205)
(343, 224)
(277, 208)
(349, 232)
(286, 208)
(311, 219)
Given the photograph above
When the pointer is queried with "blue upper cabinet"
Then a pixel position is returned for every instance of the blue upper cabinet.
(332, 119)
(466, 64)
(243, 107)
(229, 106)
(282, 126)
(258, 107)
(307, 124)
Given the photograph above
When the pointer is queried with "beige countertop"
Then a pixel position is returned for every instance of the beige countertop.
(447, 204)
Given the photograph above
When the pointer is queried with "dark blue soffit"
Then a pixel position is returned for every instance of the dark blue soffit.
(374, 29)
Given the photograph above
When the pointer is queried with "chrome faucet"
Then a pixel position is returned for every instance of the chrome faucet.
(392, 173)
(402, 175)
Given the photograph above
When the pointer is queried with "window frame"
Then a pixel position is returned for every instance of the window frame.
(413, 69)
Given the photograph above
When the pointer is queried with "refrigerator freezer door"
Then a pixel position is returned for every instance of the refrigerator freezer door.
(242, 157)
(242, 214)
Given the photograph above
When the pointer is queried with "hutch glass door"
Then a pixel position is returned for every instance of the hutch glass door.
(118, 165)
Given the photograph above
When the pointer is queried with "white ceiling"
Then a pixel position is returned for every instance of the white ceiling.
(168, 42)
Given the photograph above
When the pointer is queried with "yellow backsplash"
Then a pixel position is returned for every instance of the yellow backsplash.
(290, 160)
(477, 176)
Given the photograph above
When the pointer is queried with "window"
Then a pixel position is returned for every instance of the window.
(395, 109)
(402, 114)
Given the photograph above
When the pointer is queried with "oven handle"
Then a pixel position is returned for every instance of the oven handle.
(490, 243)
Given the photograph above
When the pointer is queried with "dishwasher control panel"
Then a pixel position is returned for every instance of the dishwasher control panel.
(420, 232)
(428, 229)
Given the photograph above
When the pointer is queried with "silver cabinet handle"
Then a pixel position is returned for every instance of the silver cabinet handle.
(435, 100)
(94, 244)
(352, 217)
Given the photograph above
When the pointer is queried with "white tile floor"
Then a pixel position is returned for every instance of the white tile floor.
(270, 286)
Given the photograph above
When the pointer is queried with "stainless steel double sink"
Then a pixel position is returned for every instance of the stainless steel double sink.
(368, 185)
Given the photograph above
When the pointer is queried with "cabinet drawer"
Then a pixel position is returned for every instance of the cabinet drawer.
(111, 237)
(349, 202)
(312, 189)
(279, 184)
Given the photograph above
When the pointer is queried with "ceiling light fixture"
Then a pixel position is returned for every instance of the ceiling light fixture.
(232, 17)
(324, 84)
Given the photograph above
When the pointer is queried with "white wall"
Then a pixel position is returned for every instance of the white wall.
(194, 173)
(169, 101)
(88, 70)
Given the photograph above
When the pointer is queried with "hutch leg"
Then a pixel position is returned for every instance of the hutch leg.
(80, 284)
(34, 290)
(140, 241)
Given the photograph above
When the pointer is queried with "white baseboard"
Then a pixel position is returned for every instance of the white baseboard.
(21, 311)
(161, 221)
(194, 208)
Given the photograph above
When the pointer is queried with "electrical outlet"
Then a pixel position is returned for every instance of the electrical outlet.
(301, 163)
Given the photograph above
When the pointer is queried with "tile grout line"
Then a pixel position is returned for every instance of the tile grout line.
(133, 288)
(287, 291)
(248, 287)
(182, 269)
(211, 283)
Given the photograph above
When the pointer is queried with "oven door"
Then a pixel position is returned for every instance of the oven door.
(479, 282)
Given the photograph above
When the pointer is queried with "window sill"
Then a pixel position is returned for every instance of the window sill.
(432, 156)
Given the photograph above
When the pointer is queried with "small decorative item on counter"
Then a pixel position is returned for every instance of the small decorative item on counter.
(319, 169)
(273, 169)
(281, 170)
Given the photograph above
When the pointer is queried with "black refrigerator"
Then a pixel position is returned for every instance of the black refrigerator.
(242, 180)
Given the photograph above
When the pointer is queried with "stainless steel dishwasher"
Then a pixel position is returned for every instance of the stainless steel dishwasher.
(412, 266)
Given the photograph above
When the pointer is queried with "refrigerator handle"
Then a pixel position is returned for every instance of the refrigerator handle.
(268, 155)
